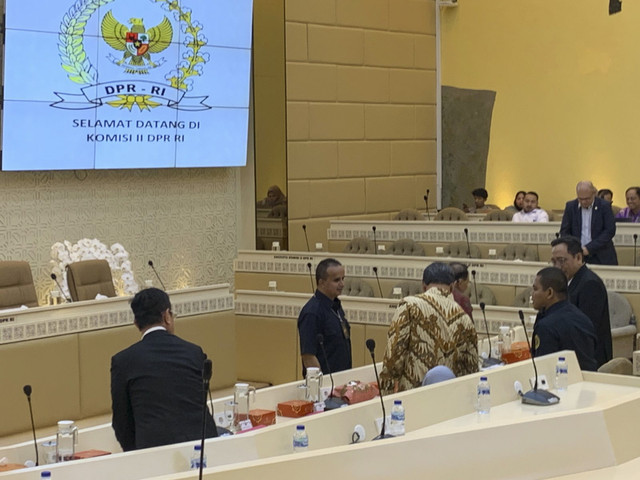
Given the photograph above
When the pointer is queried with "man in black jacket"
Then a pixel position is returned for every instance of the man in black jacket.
(157, 390)
(560, 325)
(586, 291)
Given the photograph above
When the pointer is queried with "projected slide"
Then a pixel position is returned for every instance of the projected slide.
(105, 84)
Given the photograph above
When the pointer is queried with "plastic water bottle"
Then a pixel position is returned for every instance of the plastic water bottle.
(562, 374)
(45, 474)
(195, 458)
(300, 439)
(483, 405)
(397, 419)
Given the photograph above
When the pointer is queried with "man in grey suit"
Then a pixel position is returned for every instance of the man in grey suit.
(157, 389)
(590, 219)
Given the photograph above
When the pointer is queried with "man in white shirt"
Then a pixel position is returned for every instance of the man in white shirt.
(530, 212)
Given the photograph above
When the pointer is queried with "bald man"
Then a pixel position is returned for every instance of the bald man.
(590, 219)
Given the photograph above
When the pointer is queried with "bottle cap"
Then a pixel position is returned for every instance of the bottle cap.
(397, 402)
(299, 427)
(45, 474)
(483, 379)
(197, 447)
(561, 359)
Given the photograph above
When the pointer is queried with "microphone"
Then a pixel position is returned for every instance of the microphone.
(466, 234)
(313, 290)
(371, 346)
(332, 402)
(306, 239)
(207, 371)
(490, 361)
(157, 276)
(375, 272)
(375, 244)
(27, 391)
(54, 277)
(537, 397)
(635, 244)
(426, 202)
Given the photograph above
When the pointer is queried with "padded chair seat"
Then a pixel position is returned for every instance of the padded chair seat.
(409, 287)
(16, 285)
(451, 214)
(498, 216)
(518, 251)
(89, 278)
(356, 287)
(461, 249)
(409, 214)
(619, 366)
(522, 299)
(406, 246)
(359, 245)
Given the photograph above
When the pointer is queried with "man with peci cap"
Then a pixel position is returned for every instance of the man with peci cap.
(157, 389)
(427, 330)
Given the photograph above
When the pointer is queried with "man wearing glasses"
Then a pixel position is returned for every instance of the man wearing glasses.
(586, 291)
(157, 390)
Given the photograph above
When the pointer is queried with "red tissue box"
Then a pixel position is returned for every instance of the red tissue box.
(259, 416)
(295, 408)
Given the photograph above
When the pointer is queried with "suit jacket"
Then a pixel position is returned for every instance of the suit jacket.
(603, 229)
(157, 392)
(588, 293)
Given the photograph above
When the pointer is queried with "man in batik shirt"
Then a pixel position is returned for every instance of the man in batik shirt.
(427, 330)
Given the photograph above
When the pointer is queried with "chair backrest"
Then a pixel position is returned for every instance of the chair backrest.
(406, 246)
(409, 214)
(485, 294)
(620, 312)
(89, 278)
(16, 285)
(615, 209)
(518, 251)
(359, 245)
(356, 287)
(522, 299)
(461, 249)
(619, 366)
(409, 287)
(279, 211)
(498, 216)
(451, 214)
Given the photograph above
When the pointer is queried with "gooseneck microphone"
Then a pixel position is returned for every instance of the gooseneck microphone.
(426, 202)
(375, 272)
(541, 398)
(306, 239)
(157, 276)
(466, 235)
(54, 277)
(207, 371)
(375, 243)
(27, 391)
(489, 361)
(371, 346)
(332, 402)
(313, 290)
(635, 244)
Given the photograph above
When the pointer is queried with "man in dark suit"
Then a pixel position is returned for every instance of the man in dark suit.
(590, 219)
(586, 291)
(157, 390)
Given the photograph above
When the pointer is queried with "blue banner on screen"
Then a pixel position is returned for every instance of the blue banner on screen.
(106, 84)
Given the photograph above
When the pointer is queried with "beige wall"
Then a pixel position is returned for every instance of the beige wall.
(565, 76)
(361, 116)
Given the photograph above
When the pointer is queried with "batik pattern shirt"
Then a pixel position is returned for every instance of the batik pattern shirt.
(427, 330)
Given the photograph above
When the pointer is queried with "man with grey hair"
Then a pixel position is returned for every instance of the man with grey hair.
(427, 330)
(590, 219)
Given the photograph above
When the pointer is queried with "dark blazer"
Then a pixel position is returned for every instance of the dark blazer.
(588, 293)
(157, 392)
(603, 229)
